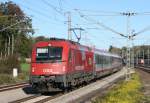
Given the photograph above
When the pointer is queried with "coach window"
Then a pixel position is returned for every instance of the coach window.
(101, 61)
(110, 61)
(106, 61)
(96, 60)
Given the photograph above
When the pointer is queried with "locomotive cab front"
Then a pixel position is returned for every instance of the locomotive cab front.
(48, 65)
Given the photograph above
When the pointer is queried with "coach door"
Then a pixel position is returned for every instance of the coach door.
(71, 60)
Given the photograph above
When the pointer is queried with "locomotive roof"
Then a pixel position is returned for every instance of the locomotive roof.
(86, 48)
(58, 39)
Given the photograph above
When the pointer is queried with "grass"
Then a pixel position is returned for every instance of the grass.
(124, 92)
(25, 67)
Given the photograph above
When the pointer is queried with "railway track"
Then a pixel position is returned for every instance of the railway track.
(145, 79)
(39, 98)
(144, 67)
(43, 98)
(47, 98)
(25, 99)
(13, 86)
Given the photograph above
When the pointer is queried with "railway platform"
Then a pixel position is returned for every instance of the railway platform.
(78, 94)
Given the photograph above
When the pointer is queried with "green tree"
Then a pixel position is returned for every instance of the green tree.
(41, 38)
(115, 50)
(15, 30)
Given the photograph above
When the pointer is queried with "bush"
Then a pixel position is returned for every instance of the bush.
(22, 60)
(25, 67)
(9, 79)
(23, 76)
(7, 64)
(6, 68)
(6, 79)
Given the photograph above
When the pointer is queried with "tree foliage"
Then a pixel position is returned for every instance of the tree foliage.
(15, 30)
(41, 38)
(7, 64)
(115, 50)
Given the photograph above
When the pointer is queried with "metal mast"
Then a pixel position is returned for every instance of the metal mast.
(69, 26)
(129, 44)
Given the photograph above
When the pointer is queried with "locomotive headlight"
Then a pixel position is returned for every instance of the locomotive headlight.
(63, 68)
(49, 44)
(33, 69)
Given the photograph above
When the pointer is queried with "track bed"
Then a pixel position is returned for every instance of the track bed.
(145, 78)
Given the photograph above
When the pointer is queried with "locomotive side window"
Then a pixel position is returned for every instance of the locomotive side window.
(49, 53)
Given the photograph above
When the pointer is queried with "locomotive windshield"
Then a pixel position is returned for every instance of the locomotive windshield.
(49, 54)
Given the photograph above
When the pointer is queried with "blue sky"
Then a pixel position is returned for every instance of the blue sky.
(48, 22)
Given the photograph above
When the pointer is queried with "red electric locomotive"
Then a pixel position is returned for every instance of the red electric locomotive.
(60, 64)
